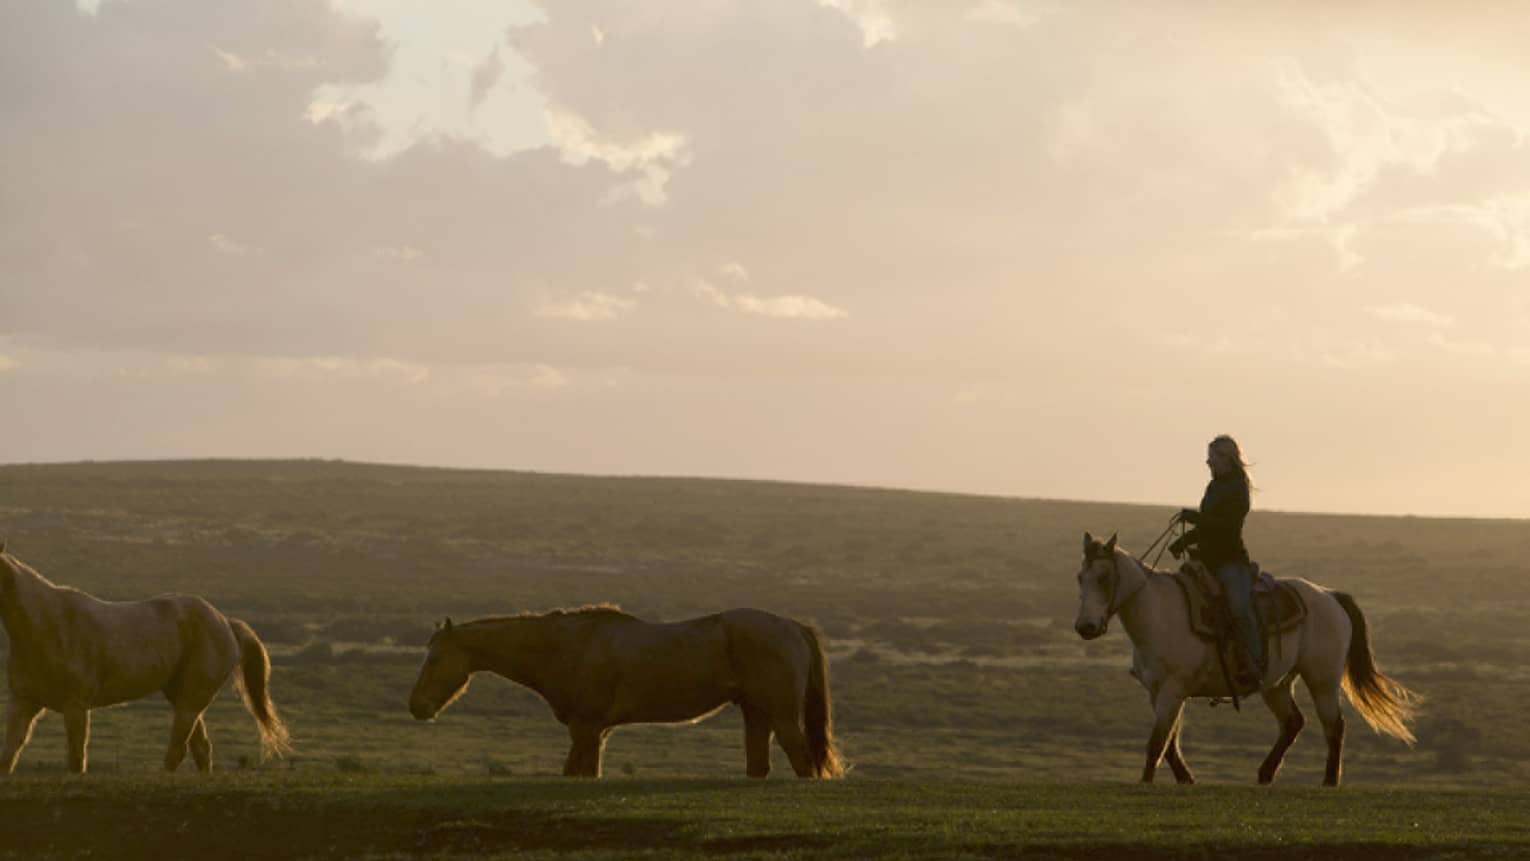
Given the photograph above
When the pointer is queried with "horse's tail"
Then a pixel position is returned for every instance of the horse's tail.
(1384, 703)
(817, 712)
(253, 681)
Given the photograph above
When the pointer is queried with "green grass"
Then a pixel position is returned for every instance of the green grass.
(282, 816)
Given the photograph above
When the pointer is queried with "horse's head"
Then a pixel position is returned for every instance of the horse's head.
(443, 677)
(1098, 582)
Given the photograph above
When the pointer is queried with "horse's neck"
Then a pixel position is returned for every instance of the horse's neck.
(513, 648)
(26, 595)
(1142, 605)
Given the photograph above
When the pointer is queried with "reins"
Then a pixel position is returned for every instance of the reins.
(1173, 522)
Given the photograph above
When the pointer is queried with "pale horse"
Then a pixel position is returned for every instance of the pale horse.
(71, 652)
(1330, 650)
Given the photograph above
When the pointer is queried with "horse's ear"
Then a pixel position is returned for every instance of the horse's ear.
(448, 626)
(1088, 541)
(1110, 546)
(2, 545)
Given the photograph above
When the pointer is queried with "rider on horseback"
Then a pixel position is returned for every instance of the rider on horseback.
(1218, 532)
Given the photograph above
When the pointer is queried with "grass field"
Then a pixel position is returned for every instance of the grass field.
(267, 816)
(958, 682)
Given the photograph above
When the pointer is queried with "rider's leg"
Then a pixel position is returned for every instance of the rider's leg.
(1238, 586)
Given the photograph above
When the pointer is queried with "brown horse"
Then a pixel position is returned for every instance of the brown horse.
(1330, 650)
(72, 653)
(599, 668)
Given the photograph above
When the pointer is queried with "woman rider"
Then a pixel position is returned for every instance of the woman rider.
(1218, 532)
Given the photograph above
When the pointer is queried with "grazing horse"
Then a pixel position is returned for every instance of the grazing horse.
(1329, 650)
(71, 653)
(599, 668)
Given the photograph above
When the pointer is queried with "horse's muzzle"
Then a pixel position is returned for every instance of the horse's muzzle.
(421, 710)
(1090, 631)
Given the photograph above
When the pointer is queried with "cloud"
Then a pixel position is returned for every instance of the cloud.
(1462, 347)
(788, 307)
(1000, 12)
(653, 156)
(485, 76)
(327, 368)
(224, 245)
(875, 23)
(499, 380)
(1505, 220)
(923, 178)
(7, 363)
(1410, 313)
(587, 306)
(400, 253)
(1366, 136)
(785, 307)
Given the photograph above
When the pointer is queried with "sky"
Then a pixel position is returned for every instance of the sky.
(1034, 249)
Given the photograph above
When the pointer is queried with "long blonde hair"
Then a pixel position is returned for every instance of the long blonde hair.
(1228, 447)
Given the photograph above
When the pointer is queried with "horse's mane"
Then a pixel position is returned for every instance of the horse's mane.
(16, 568)
(587, 611)
(1143, 563)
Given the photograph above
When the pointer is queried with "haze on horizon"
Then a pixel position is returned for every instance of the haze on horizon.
(1020, 248)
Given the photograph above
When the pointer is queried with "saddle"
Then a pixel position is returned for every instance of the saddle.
(1277, 605)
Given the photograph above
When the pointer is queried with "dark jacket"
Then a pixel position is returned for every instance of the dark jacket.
(1219, 524)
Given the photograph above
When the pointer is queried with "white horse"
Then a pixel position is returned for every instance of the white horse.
(72, 653)
(1329, 650)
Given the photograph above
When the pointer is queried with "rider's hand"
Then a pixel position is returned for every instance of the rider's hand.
(1188, 514)
(1177, 548)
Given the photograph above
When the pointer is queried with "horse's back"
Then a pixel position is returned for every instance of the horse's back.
(135, 648)
(672, 671)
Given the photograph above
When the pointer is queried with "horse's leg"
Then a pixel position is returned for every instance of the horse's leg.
(586, 744)
(1175, 759)
(20, 715)
(1325, 698)
(201, 746)
(787, 725)
(180, 734)
(77, 730)
(1168, 705)
(1282, 704)
(756, 741)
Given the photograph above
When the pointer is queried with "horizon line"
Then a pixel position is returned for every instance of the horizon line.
(887, 488)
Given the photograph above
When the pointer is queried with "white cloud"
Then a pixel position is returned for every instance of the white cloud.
(451, 77)
(1462, 348)
(1001, 12)
(1505, 220)
(706, 290)
(1337, 237)
(401, 253)
(1410, 313)
(231, 61)
(652, 156)
(788, 307)
(1366, 136)
(735, 270)
(224, 245)
(1360, 355)
(503, 379)
(589, 305)
(875, 23)
(322, 368)
(7, 363)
